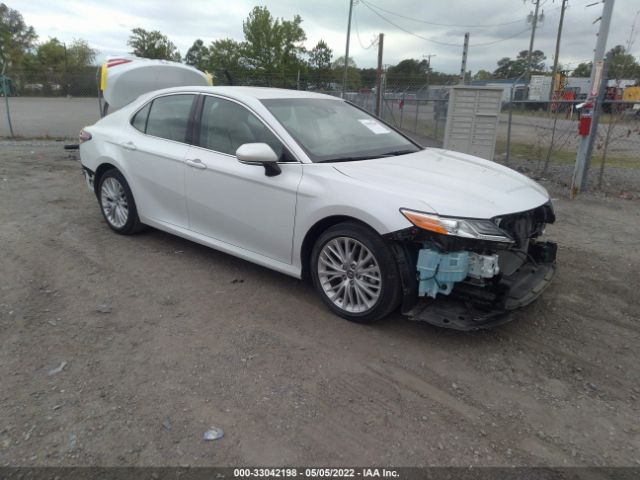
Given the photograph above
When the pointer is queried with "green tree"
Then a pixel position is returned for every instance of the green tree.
(51, 54)
(623, 64)
(198, 55)
(152, 44)
(80, 55)
(353, 74)
(513, 68)
(483, 75)
(320, 58)
(226, 60)
(273, 47)
(582, 70)
(16, 38)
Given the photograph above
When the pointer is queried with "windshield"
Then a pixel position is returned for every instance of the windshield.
(332, 130)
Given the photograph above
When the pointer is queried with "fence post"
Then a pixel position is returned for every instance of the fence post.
(415, 126)
(5, 90)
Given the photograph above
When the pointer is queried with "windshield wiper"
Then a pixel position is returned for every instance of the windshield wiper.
(398, 152)
(367, 157)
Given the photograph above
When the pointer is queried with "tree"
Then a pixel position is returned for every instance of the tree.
(80, 55)
(353, 74)
(623, 64)
(226, 58)
(483, 75)
(582, 70)
(273, 47)
(16, 38)
(409, 67)
(513, 68)
(198, 55)
(152, 44)
(51, 55)
(320, 58)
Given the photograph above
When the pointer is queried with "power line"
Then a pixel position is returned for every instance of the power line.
(441, 24)
(407, 31)
(355, 20)
(457, 45)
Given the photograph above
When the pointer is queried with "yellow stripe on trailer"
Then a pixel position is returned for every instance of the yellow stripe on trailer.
(103, 76)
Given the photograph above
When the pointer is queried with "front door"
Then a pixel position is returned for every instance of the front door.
(233, 202)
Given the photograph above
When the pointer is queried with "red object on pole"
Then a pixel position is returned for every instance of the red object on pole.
(584, 127)
(401, 104)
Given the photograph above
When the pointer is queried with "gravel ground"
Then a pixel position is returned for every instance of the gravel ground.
(124, 350)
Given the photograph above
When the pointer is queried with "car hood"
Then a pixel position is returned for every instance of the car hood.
(449, 183)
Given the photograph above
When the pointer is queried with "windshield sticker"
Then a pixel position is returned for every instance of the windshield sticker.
(374, 126)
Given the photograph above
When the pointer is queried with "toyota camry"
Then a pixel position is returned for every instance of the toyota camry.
(312, 186)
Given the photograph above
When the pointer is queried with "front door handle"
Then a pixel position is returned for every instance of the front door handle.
(128, 145)
(196, 163)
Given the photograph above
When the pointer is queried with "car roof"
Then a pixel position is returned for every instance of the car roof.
(245, 93)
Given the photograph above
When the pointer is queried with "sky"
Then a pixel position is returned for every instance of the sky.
(498, 28)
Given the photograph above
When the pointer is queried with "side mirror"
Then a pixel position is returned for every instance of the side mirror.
(259, 154)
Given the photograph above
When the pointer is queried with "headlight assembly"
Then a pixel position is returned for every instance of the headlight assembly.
(457, 227)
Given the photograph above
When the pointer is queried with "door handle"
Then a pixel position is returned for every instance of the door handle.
(128, 145)
(196, 163)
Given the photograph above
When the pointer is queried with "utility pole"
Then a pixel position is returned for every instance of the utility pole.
(596, 94)
(379, 76)
(346, 54)
(465, 51)
(428, 57)
(534, 23)
(555, 58)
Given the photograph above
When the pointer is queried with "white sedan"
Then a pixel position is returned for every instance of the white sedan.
(312, 186)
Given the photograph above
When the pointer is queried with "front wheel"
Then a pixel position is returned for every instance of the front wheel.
(355, 273)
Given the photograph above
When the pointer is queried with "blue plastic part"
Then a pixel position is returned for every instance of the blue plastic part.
(439, 271)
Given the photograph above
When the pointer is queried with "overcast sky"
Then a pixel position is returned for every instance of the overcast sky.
(106, 26)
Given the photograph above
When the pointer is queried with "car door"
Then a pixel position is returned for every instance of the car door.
(234, 202)
(156, 151)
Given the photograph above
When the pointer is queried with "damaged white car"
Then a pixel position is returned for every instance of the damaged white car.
(312, 186)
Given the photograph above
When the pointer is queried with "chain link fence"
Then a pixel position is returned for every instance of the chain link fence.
(537, 138)
(541, 139)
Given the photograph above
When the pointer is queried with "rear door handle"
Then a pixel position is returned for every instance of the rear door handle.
(128, 145)
(196, 163)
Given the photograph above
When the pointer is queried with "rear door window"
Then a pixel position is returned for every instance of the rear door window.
(169, 117)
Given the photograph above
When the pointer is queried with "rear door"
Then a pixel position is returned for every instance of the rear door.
(156, 151)
(234, 202)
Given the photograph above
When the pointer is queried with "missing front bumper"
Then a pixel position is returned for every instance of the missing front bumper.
(472, 308)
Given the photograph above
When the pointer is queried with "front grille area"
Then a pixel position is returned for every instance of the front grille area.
(523, 226)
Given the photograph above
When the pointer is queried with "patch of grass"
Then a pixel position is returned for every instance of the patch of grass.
(563, 156)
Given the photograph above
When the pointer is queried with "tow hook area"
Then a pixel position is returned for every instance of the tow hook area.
(438, 272)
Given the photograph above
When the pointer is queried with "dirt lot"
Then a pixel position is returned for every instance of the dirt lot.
(163, 338)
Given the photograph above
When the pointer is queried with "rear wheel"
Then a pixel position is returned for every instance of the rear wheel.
(355, 273)
(117, 204)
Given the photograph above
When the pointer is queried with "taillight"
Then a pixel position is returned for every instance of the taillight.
(84, 136)
(117, 61)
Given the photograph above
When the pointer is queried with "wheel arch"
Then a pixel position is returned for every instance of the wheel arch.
(314, 233)
(101, 170)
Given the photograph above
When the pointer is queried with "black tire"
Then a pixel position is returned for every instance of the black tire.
(390, 291)
(132, 224)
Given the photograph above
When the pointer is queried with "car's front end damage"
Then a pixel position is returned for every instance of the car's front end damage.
(467, 274)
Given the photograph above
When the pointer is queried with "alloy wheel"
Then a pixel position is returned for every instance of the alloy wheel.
(349, 274)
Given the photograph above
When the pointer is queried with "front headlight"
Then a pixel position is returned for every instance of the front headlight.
(457, 227)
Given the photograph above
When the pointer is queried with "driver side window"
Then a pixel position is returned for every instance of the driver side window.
(225, 126)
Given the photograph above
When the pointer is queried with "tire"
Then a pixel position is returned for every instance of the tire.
(117, 204)
(374, 283)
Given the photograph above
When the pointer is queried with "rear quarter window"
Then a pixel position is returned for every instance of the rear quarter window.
(139, 121)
